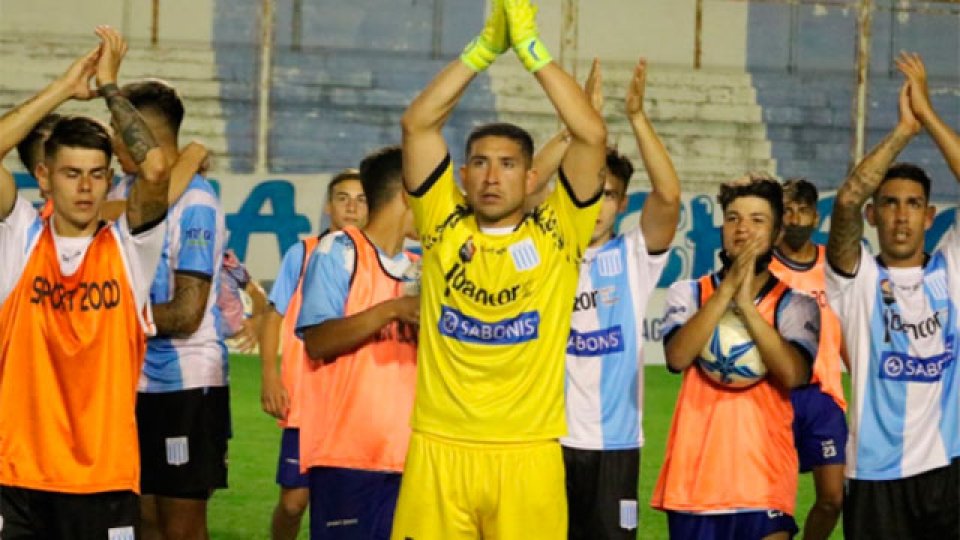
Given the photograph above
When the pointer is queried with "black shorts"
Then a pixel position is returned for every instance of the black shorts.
(602, 493)
(183, 442)
(28, 513)
(923, 506)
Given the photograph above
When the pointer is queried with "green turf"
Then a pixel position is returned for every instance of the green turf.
(243, 511)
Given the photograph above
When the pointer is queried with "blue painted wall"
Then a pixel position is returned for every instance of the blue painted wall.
(339, 90)
(806, 90)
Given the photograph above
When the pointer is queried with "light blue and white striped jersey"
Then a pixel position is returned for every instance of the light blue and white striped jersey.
(900, 329)
(604, 383)
(194, 244)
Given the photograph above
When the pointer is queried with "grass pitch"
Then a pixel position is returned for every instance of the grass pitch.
(243, 511)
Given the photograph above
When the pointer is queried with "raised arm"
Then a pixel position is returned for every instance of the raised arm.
(911, 65)
(17, 122)
(423, 144)
(661, 210)
(147, 202)
(548, 159)
(846, 221)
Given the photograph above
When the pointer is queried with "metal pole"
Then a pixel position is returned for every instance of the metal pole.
(155, 24)
(569, 38)
(266, 69)
(437, 37)
(698, 37)
(296, 25)
(864, 32)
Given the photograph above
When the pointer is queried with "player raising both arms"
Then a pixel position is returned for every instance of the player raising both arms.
(72, 325)
(604, 394)
(484, 460)
(898, 314)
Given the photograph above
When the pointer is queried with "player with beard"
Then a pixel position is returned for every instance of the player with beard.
(898, 315)
(819, 422)
(731, 466)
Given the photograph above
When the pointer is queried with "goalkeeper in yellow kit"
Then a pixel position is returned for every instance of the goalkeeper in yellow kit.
(497, 289)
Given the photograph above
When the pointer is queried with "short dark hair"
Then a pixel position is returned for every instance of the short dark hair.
(158, 97)
(908, 171)
(503, 129)
(30, 149)
(78, 132)
(800, 190)
(760, 185)
(340, 177)
(620, 167)
(381, 173)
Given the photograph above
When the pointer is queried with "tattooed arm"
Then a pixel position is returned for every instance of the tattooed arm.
(181, 317)
(846, 222)
(147, 202)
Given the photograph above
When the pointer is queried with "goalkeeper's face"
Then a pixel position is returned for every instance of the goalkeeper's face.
(497, 178)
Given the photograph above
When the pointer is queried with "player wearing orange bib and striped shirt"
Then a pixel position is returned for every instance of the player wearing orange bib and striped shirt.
(360, 330)
(484, 459)
(819, 424)
(731, 467)
(74, 318)
(279, 394)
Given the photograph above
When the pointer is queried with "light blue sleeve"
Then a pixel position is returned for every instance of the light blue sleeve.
(798, 321)
(326, 284)
(198, 239)
(287, 278)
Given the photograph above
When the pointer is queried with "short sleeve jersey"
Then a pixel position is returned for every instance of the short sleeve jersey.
(714, 427)
(495, 314)
(900, 329)
(194, 244)
(604, 385)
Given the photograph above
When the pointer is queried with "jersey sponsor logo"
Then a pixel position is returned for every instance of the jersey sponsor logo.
(178, 451)
(596, 343)
(120, 533)
(591, 299)
(926, 328)
(198, 237)
(609, 263)
(902, 367)
(457, 280)
(525, 255)
(86, 296)
(519, 329)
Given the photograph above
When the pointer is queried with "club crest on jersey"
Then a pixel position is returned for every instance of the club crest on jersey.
(178, 451)
(467, 250)
(525, 255)
(886, 291)
(608, 263)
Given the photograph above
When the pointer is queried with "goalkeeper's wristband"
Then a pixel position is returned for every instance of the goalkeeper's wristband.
(477, 55)
(533, 54)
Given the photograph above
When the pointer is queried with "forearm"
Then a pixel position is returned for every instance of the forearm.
(181, 317)
(546, 163)
(783, 361)
(188, 164)
(946, 138)
(688, 341)
(334, 337)
(147, 201)
(573, 106)
(430, 110)
(270, 343)
(258, 297)
(16, 123)
(846, 221)
(661, 211)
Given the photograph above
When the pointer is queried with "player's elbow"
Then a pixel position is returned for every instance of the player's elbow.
(593, 133)
(414, 121)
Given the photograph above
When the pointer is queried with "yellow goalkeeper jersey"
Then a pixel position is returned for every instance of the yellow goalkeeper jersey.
(495, 314)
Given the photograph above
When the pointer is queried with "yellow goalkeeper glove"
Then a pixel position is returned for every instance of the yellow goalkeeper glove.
(525, 36)
(492, 41)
